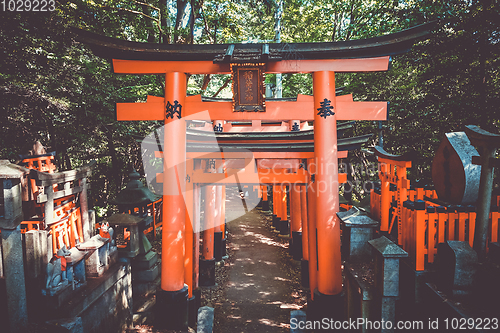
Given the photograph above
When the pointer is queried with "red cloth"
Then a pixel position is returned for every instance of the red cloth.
(63, 262)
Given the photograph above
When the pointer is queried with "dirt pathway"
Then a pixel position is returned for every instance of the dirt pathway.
(263, 284)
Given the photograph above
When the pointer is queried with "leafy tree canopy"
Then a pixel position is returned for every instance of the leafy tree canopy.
(56, 91)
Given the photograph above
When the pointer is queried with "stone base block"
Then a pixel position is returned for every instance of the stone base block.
(223, 248)
(284, 227)
(71, 325)
(326, 306)
(194, 303)
(296, 245)
(494, 254)
(359, 295)
(104, 304)
(298, 317)
(141, 288)
(146, 275)
(97, 262)
(276, 221)
(171, 309)
(145, 261)
(412, 283)
(304, 273)
(207, 272)
(205, 320)
(218, 246)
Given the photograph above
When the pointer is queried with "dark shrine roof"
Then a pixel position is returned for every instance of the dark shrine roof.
(391, 44)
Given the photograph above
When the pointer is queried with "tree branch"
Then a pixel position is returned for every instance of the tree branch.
(157, 21)
(223, 86)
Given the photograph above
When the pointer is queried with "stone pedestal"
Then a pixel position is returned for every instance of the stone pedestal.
(100, 255)
(360, 288)
(326, 306)
(218, 246)
(171, 309)
(296, 245)
(284, 227)
(145, 263)
(11, 207)
(304, 273)
(207, 272)
(456, 265)
(387, 256)
(494, 254)
(194, 303)
(13, 274)
(223, 248)
(145, 273)
(276, 222)
(357, 230)
(205, 320)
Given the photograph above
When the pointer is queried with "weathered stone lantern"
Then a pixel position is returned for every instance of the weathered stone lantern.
(135, 198)
(11, 249)
(135, 201)
(11, 208)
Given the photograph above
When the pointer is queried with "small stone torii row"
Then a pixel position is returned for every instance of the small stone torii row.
(323, 60)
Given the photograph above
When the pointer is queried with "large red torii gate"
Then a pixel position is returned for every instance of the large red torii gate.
(323, 60)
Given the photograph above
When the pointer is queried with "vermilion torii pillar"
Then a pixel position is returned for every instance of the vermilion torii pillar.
(219, 219)
(327, 191)
(311, 226)
(305, 237)
(207, 263)
(172, 298)
(295, 210)
(284, 225)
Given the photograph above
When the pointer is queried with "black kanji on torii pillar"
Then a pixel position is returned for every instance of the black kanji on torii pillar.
(325, 109)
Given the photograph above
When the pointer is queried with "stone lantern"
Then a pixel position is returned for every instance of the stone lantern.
(11, 206)
(135, 195)
(11, 249)
(133, 201)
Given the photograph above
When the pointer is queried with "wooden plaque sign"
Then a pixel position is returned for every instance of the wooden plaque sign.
(248, 87)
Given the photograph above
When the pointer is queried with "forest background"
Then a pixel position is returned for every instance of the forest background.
(53, 89)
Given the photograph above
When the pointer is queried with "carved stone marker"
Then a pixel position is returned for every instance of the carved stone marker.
(456, 267)
(455, 178)
(387, 257)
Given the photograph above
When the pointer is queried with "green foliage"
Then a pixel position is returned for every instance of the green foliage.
(56, 91)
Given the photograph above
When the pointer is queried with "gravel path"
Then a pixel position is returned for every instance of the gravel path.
(263, 285)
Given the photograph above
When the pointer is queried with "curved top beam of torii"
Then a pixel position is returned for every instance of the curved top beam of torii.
(343, 56)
